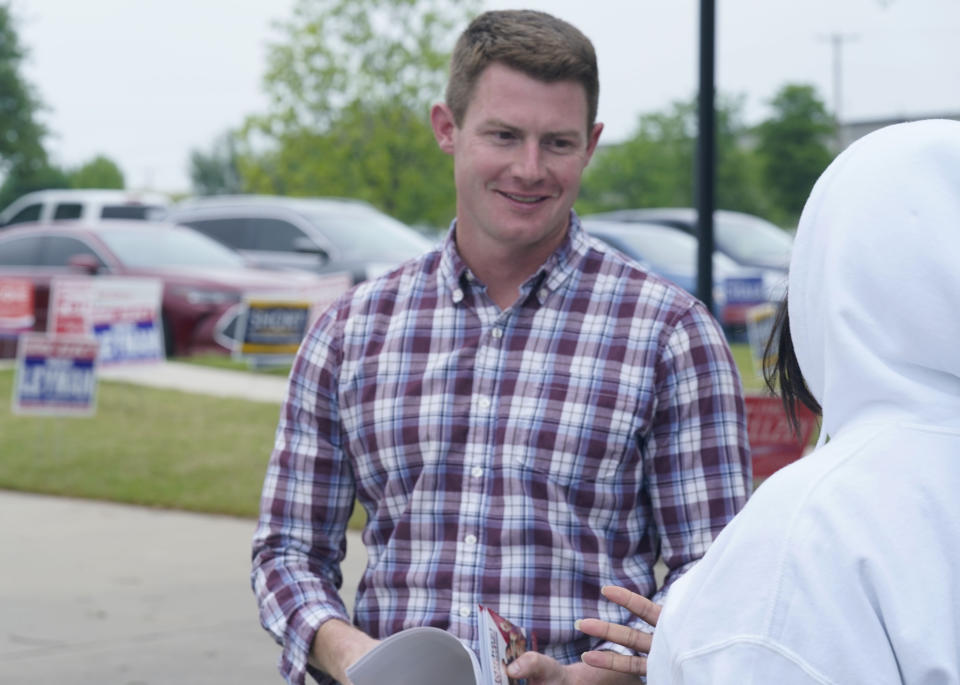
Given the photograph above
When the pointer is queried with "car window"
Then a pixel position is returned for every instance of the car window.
(129, 211)
(68, 210)
(750, 240)
(28, 213)
(57, 251)
(230, 232)
(362, 233)
(274, 235)
(169, 246)
(666, 249)
(20, 251)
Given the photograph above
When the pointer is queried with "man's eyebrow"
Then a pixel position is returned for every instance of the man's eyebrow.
(493, 122)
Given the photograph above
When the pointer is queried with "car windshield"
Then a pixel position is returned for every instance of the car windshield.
(751, 240)
(361, 233)
(167, 246)
(666, 249)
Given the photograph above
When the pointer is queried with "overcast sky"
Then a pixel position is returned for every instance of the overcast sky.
(146, 81)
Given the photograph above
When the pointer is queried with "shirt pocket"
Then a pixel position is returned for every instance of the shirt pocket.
(576, 434)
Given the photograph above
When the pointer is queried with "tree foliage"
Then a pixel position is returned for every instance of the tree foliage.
(99, 172)
(794, 147)
(350, 88)
(23, 159)
(217, 171)
(655, 167)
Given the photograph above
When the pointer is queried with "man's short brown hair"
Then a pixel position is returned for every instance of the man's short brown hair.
(535, 43)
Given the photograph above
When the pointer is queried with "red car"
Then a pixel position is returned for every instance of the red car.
(203, 281)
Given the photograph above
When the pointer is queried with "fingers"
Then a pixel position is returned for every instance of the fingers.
(638, 605)
(535, 667)
(613, 632)
(612, 661)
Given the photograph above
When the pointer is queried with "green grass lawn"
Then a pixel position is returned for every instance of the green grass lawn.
(160, 448)
(144, 446)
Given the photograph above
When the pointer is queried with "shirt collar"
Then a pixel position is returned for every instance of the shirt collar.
(556, 270)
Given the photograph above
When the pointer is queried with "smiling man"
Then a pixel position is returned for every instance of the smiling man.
(525, 415)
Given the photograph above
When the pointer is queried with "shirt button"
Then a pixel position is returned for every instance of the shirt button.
(476, 472)
(484, 403)
(543, 294)
(457, 295)
(470, 539)
(464, 611)
(497, 333)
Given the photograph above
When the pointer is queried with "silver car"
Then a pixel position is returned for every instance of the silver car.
(323, 235)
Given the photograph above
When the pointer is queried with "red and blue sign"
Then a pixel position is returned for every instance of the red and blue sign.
(56, 375)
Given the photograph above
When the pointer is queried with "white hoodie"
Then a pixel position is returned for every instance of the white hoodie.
(845, 567)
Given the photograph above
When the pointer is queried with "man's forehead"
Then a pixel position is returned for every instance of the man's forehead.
(514, 98)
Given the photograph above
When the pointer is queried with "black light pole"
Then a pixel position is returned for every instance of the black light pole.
(704, 181)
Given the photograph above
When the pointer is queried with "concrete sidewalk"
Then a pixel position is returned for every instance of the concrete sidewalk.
(104, 594)
(195, 378)
(96, 593)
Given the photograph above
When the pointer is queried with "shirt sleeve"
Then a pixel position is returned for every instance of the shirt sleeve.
(697, 457)
(308, 496)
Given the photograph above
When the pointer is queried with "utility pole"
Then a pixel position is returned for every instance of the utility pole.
(837, 41)
(706, 153)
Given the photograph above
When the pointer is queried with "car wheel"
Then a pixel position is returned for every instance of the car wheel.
(168, 339)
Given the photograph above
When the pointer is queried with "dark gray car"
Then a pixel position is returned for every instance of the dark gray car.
(323, 235)
(746, 239)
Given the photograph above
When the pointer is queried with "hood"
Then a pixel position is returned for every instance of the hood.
(874, 285)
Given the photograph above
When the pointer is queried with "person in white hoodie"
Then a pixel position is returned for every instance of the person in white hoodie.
(845, 566)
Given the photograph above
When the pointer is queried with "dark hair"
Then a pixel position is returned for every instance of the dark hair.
(781, 370)
(536, 43)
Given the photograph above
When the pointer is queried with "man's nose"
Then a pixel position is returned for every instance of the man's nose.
(529, 164)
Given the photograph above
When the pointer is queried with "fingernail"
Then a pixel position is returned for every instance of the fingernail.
(576, 624)
(513, 669)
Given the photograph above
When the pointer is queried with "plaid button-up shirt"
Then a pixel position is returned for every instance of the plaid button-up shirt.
(519, 458)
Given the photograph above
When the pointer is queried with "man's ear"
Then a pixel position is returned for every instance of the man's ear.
(593, 139)
(441, 118)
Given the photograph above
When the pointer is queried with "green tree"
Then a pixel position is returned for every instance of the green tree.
(24, 165)
(35, 174)
(217, 171)
(794, 147)
(350, 88)
(655, 167)
(99, 172)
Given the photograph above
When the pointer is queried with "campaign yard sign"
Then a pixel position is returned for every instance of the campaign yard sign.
(16, 305)
(56, 376)
(273, 327)
(122, 313)
(760, 320)
(773, 444)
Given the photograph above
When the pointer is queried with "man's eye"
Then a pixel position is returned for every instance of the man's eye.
(561, 143)
(503, 135)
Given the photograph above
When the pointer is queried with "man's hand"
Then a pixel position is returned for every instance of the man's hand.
(337, 646)
(639, 606)
(539, 669)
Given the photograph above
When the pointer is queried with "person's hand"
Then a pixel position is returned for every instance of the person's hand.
(637, 640)
(539, 669)
(337, 646)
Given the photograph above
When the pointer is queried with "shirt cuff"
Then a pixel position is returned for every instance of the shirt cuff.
(298, 643)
